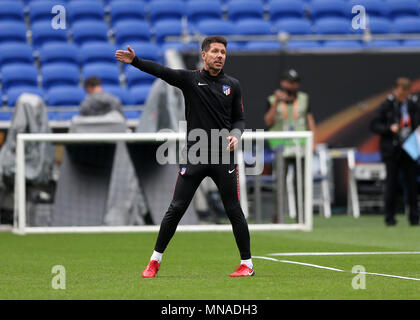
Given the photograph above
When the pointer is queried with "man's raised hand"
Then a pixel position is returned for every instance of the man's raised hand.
(125, 56)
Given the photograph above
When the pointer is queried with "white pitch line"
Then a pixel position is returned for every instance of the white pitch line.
(295, 254)
(391, 276)
(300, 263)
(311, 265)
(333, 269)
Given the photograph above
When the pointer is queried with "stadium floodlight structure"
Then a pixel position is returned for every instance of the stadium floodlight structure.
(20, 212)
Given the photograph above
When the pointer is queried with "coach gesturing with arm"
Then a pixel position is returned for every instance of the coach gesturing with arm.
(213, 101)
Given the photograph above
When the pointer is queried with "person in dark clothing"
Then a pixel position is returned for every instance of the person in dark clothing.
(213, 102)
(98, 102)
(394, 121)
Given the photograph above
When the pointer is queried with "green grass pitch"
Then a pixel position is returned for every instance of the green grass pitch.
(196, 265)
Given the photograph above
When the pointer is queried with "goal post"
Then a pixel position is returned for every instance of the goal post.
(20, 210)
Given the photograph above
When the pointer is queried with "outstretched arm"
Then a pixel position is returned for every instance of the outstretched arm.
(174, 77)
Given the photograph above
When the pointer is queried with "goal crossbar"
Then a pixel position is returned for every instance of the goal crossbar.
(20, 227)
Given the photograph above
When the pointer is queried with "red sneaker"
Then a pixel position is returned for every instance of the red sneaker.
(151, 269)
(243, 271)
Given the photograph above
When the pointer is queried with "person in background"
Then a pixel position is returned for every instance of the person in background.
(288, 109)
(396, 118)
(98, 102)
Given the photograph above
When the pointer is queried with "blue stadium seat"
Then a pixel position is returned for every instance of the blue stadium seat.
(253, 27)
(41, 10)
(294, 26)
(122, 93)
(280, 9)
(333, 26)
(179, 46)
(220, 27)
(374, 8)
(131, 31)
(12, 32)
(303, 45)
(378, 25)
(121, 10)
(136, 77)
(108, 73)
(383, 44)
(244, 10)
(403, 8)
(11, 11)
(145, 50)
(65, 96)
(14, 75)
(140, 93)
(200, 10)
(6, 116)
(93, 52)
(15, 53)
(59, 74)
(81, 10)
(342, 44)
(62, 52)
(14, 93)
(89, 31)
(330, 9)
(411, 43)
(132, 114)
(64, 115)
(42, 33)
(166, 28)
(235, 46)
(262, 45)
(407, 25)
(166, 10)
(368, 157)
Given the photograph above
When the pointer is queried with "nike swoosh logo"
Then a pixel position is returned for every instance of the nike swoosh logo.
(202, 84)
(231, 171)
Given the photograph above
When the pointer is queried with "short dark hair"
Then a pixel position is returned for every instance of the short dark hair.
(205, 46)
(93, 82)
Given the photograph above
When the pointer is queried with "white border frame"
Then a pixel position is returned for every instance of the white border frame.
(20, 227)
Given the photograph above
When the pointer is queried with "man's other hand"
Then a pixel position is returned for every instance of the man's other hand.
(233, 143)
(280, 95)
(395, 128)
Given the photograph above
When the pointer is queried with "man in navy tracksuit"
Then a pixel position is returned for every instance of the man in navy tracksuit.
(396, 118)
(213, 101)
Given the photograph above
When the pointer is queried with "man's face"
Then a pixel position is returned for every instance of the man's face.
(215, 57)
(93, 89)
(401, 93)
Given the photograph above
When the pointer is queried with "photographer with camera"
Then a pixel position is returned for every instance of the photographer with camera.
(288, 108)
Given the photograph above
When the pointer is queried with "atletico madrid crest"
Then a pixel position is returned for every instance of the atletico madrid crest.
(226, 90)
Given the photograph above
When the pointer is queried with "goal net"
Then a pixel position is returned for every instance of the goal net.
(115, 182)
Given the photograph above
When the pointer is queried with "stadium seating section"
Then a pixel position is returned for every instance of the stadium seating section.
(53, 62)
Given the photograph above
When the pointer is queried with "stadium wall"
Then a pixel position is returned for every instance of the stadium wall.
(344, 88)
